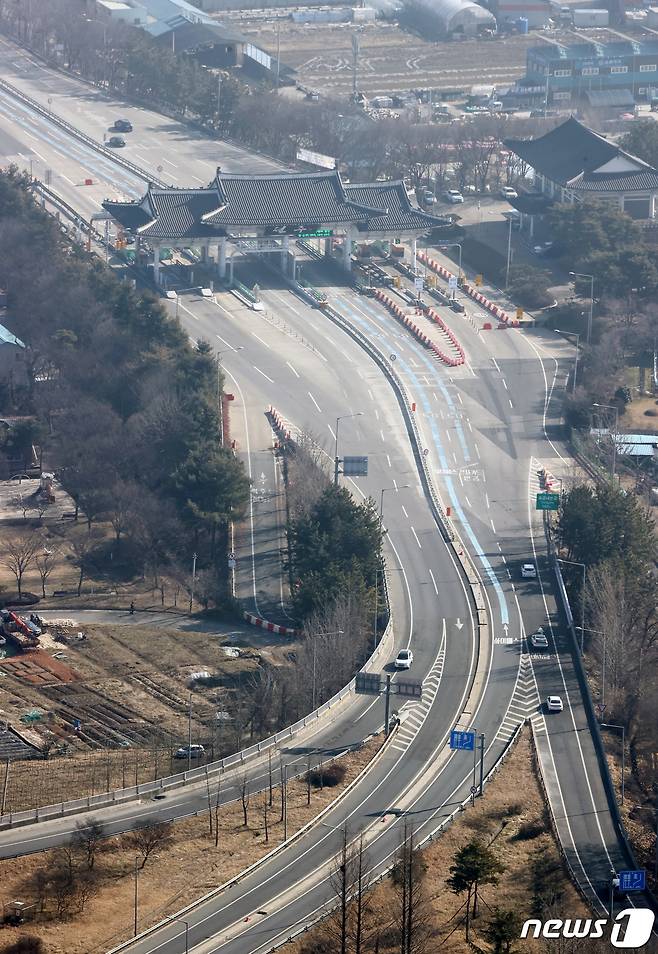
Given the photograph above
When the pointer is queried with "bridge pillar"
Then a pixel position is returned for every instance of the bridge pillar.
(327, 247)
(221, 258)
(156, 264)
(413, 254)
(347, 250)
(284, 254)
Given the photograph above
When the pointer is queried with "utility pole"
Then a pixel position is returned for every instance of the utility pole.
(278, 53)
(285, 803)
(388, 703)
(136, 899)
(5, 787)
(356, 49)
(481, 762)
(193, 580)
(189, 735)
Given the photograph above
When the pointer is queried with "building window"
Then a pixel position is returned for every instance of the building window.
(561, 95)
(589, 71)
(642, 91)
(647, 68)
(619, 69)
(562, 73)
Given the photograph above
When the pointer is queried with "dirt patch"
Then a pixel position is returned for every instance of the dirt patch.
(635, 418)
(512, 820)
(38, 668)
(191, 867)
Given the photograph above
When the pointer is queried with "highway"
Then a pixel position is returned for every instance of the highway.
(485, 427)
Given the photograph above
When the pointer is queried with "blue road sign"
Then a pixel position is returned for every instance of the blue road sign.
(632, 880)
(462, 740)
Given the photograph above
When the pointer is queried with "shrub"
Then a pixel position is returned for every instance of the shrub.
(650, 412)
(529, 831)
(327, 776)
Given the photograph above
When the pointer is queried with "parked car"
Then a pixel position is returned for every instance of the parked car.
(123, 125)
(507, 192)
(191, 751)
(404, 659)
(554, 704)
(116, 142)
(529, 571)
(428, 197)
(454, 196)
(538, 639)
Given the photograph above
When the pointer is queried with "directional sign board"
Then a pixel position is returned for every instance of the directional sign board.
(452, 281)
(632, 880)
(547, 501)
(412, 688)
(355, 466)
(418, 283)
(462, 740)
(368, 683)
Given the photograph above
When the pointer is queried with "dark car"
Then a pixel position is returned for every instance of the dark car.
(123, 125)
(116, 142)
(457, 306)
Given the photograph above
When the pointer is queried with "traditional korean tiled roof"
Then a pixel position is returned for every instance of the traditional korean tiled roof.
(573, 156)
(233, 203)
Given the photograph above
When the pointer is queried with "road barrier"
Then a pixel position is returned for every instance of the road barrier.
(503, 317)
(402, 316)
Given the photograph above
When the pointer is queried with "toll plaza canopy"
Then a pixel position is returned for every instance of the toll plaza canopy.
(272, 204)
(266, 211)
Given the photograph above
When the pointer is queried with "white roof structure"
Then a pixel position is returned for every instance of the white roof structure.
(459, 16)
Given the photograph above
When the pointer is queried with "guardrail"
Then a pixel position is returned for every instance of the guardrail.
(79, 135)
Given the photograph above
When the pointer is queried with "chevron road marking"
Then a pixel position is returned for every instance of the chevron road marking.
(414, 713)
(524, 704)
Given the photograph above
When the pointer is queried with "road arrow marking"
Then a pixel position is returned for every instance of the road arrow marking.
(459, 623)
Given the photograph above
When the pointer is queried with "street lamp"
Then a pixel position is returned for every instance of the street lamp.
(509, 249)
(343, 417)
(381, 500)
(218, 355)
(576, 335)
(612, 407)
(314, 636)
(582, 601)
(104, 25)
(591, 300)
(622, 729)
(187, 932)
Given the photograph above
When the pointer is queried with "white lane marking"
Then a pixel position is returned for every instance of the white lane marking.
(469, 426)
(389, 460)
(460, 397)
(436, 589)
(381, 433)
(395, 483)
(504, 383)
(318, 407)
(404, 511)
(43, 158)
(292, 369)
(510, 403)
(503, 558)
(492, 525)
(486, 497)
(261, 340)
(331, 431)
(477, 451)
(370, 393)
(468, 502)
(170, 163)
(496, 366)
(70, 181)
(376, 414)
(141, 158)
(449, 437)
(420, 546)
(454, 457)
(436, 396)
(264, 375)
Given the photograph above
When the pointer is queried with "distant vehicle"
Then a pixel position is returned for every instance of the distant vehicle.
(554, 704)
(193, 751)
(428, 197)
(627, 116)
(495, 105)
(123, 125)
(404, 659)
(442, 110)
(507, 192)
(538, 640)
(457, 306)
(543, 113)
(313, 97)
(654, 106)
(547, 249)
(116, 142)
(529, 571)
(454, 196)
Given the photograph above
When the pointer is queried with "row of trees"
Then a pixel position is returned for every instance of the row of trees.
(613, 535)
(128, 408)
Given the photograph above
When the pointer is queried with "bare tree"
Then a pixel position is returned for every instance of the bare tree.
(45, 560)
(244, 798)
(87, 838)
(19, 556)
(82, 547)
(151, 838)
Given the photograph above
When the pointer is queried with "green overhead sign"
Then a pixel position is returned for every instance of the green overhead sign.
(548, 501)
(317, 233)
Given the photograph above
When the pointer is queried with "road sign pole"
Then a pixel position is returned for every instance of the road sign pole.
(481, 762)
(388, 702)
(475, 760)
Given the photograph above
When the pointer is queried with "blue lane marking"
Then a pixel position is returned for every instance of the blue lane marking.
(72, 148)
(374, 331)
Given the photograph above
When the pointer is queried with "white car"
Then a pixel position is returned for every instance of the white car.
(507, 192)
(538, 640)
(528, 571)
(454, 196)
(554, 704)
(404, 659)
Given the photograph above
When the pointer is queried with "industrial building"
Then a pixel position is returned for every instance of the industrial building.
(610, 75)
(450, 17)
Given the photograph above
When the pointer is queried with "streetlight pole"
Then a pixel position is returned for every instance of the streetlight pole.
(582, 601)
(314, 636)
(622, 729)
(381, 501)
(343, 417)
(193, 580)
(612, 407)
(591, 301)
(509, 250)
(218, 355)
(576, 335)
(136, 896)
(104, 25)
(187, 933)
